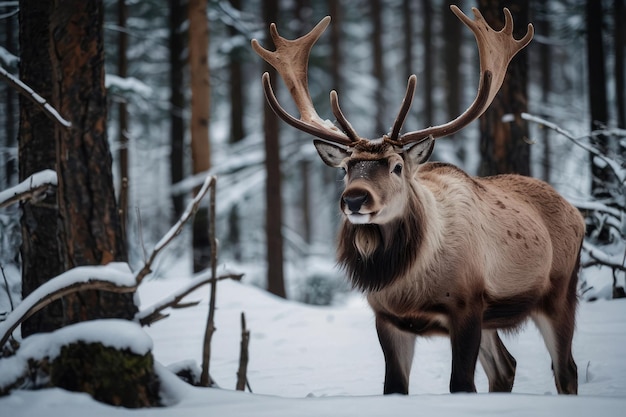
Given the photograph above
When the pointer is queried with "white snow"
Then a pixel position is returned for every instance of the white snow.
(325, 361)
(116, 273)
(118, 334)
(36, 180)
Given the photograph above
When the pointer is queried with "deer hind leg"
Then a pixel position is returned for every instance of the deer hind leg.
(498, 363)
(557, 335)
(398, 347)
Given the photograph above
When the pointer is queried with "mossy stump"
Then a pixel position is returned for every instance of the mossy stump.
(116, 377)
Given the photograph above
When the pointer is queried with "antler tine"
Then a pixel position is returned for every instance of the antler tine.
(343, 122)
(404, 109)
(496, 49)
(291, 61)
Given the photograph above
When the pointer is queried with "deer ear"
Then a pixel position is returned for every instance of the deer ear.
(419, 152)
(332, 155)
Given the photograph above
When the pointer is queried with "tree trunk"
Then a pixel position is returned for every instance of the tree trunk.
(380, 125)
(273, 195)
(597, 93)
(200, 100)
(619, 41)
(545, 56)
(10, 116)
(41, 258)
(452, 61)
(177, 43)
(503, 132)
(408, 46)
(89, 228)
(122, 70)
(427, 37)
(237, 132)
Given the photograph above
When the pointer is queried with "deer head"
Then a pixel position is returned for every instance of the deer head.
(379, 172)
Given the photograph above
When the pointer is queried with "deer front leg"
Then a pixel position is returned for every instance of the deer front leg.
(398, 347)
(465, 336)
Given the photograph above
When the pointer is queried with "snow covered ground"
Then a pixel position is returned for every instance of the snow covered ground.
(325, 361)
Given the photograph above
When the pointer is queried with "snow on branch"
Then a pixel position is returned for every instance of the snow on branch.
(114, 277)
(29, 93)
(600, 257)
(33, 188)
(619, 172)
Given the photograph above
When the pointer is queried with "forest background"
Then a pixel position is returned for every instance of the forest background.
(183, 99)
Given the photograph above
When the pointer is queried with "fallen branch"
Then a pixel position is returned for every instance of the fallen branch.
(153, 313)
(192, 207)
(104, 278)
(32, 188)
(39, 101)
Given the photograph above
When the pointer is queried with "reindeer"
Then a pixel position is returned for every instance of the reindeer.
(435, 250)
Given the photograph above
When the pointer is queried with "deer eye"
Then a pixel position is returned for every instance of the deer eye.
(397, 169)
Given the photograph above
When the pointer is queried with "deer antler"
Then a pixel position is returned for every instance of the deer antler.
(291, 61)
(496, 49)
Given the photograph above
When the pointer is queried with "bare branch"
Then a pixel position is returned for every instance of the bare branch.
(153, 313)
(209, 183)
(39, 101)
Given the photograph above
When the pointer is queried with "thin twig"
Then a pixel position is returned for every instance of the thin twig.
(39, 101)
(205, 380)
(6, 284)
(209, 183)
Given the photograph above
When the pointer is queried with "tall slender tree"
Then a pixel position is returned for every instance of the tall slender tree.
(122, 71)
(177, 40)
(427, 59)
(273, 189)
(376, 11)
(503, 140)
(200, 100)
(619, 42)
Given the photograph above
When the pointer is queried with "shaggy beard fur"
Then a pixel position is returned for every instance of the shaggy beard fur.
(374, 256)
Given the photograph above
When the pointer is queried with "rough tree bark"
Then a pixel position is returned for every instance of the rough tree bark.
(89, 227)
(41, 258)
(503, 132)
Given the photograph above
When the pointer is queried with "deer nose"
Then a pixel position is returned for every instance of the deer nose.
(354, 201)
